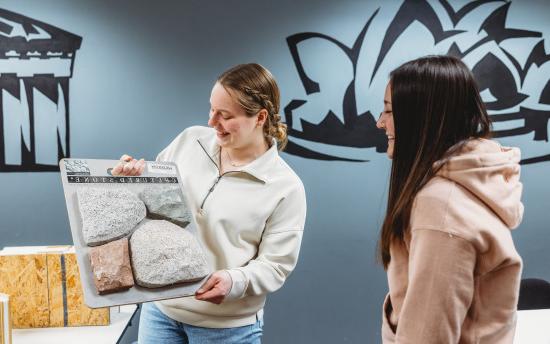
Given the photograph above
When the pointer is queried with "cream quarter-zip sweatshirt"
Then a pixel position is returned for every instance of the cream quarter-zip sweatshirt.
(250, 223)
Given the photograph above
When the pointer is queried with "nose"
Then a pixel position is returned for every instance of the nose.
(380, 122)
(212, 120)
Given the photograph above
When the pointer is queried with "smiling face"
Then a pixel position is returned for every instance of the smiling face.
(385, 122)
(234, 129)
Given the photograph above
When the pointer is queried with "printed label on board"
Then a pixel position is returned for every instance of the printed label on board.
(120, 180)
(155, 167)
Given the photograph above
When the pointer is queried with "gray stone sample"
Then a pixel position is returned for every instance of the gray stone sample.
(111, 266)
(108, 214)
(163, 253)
(166, 203)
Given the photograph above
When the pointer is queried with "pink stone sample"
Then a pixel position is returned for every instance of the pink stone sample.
(111, 266)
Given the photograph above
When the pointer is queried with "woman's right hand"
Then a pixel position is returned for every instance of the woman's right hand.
(128, 166)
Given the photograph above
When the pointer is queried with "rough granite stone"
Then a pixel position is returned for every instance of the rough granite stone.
(108, 214)
(163, 253)
(111, 266)
(166, 203)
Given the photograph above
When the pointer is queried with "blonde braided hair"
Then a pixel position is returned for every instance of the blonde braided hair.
(256, 89)
(273, 128)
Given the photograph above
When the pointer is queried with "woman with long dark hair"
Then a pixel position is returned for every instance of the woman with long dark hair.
(454, 195)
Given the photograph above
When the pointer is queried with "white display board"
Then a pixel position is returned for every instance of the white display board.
(82, 173)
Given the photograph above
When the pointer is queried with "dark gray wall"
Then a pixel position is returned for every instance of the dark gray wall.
(144, 73)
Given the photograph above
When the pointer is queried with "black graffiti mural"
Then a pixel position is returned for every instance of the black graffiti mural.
(510, 65)
(36, 63)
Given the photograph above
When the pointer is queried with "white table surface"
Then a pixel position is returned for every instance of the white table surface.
(120, 316)
(533, 327)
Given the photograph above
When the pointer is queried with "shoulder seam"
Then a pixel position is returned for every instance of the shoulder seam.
(449, 231)
(448, 201)
(284, 231)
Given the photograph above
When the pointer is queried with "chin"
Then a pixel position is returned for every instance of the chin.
(389, 152)
(227, 144)
(223, 142)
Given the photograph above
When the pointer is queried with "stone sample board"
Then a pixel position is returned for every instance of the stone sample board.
(107, 211)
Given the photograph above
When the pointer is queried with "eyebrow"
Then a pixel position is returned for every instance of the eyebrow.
(221, 110)
(224, 113)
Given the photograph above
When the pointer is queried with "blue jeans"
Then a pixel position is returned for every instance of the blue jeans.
(155, 327)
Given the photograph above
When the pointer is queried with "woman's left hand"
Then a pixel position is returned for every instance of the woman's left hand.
(216, 288)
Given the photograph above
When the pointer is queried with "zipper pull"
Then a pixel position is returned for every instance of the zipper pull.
(208, 194)
(215, 183)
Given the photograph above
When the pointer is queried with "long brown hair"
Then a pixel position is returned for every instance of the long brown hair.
(436, 109)
(255, 89)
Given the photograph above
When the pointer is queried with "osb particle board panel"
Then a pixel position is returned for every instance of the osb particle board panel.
(46, 291)
(27, 286)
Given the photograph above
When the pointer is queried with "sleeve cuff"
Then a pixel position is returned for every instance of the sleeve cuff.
(238, 285)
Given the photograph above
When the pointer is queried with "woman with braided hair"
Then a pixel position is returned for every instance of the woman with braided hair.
(249, 207)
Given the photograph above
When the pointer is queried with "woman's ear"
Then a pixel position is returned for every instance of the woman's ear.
(261, 118)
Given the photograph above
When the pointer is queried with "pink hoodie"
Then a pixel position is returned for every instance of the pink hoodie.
(456, 279)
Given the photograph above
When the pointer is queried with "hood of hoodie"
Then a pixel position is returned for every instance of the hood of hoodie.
(491, 172)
